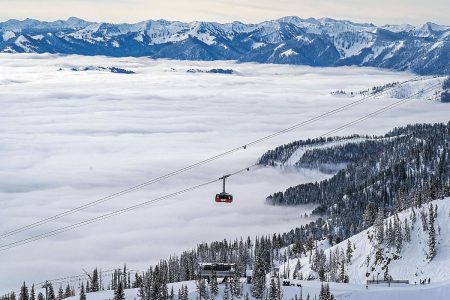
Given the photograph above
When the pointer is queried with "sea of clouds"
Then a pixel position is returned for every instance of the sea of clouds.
(67, 138)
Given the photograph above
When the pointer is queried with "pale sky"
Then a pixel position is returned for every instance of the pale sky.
(379, 12)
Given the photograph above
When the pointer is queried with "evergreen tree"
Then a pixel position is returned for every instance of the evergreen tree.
(40, 296)
(226, 291)
(236, 286)
(213, 285)
(60, 293)
(68, 292)
(51, 292)
(119, 293)
(387, 276)
(349, 252)
(82, 292)
(407, 231)
(23, 295)
(431, 233)
(201, 288)
(273, 290)
(124, 277)
(141, 294)
(398, 235)
(325, 293)
(95, 284)
(342, 276)
(185, 293)
(259, 278)
(32, 293)
(379, 228)
(298, 267)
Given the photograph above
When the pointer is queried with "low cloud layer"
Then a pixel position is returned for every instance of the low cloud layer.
(67, 138)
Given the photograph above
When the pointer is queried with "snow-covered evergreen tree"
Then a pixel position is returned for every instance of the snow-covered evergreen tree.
(226, 291)
(32, 293)
(172, 294)
(236, 286)
(349, 252)
(68, 291)
(431, 233)
(60, 293)
(273, 290)
(51, 292)
(119, 293)
(407, 231)
(185, 293)
(213, 285)
(82, 292)
(398, 236)
(202, 290)
(258, 278)
(379, 228)
(95, 284)
(23, 295)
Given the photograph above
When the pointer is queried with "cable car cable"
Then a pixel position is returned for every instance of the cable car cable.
(146, 203)
(110, 214)
(202, 162)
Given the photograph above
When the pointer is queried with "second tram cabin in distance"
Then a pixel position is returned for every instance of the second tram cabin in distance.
(224, 197)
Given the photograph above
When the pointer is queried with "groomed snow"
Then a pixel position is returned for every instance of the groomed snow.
(435, 291)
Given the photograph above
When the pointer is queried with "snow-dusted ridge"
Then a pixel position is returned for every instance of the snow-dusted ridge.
(289, 40)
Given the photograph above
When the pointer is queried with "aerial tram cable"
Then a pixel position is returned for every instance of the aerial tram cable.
(114, 213)
(199, 163)
(192, 188)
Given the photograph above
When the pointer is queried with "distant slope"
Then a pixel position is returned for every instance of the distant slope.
(434, 88)
(423, 49)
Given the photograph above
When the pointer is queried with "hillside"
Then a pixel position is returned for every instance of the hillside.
(405, 167)
(290, 40)
(435, 88)
(408, 263)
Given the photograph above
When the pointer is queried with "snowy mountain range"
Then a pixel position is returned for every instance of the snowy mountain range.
(290, 40)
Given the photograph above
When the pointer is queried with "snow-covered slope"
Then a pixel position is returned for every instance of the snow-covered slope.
(435, 291)
(411, 263)
(427, 88)
(424, 87)
(291, 40)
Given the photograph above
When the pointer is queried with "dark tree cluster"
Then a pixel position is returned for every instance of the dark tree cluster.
(370, 91)
(445, 95)
(281, 154)
(408, 166)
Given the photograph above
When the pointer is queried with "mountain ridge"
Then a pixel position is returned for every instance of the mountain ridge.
(327, 42)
